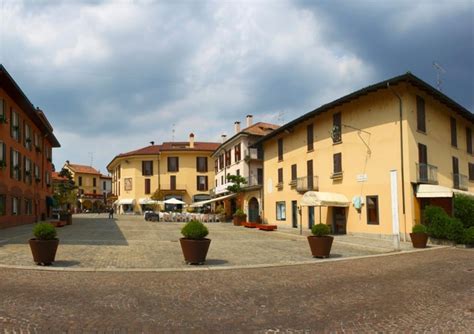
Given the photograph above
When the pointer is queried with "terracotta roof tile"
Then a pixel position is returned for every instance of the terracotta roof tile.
(83, 169)
(56, 177)
(260, 128)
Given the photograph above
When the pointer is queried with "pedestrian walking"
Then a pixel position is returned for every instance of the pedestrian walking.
(111, 213)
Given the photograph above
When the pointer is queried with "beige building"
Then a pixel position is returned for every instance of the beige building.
(370, 160)
(236, 157)
(180, 170)
(93, 188)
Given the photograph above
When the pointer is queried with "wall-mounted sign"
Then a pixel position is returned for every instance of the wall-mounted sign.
(361, 177)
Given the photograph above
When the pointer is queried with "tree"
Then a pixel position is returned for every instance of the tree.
(237, 182)
(157, 195)
(65, 190)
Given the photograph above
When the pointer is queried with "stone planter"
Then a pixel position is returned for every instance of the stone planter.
(419, 240)
(44, 251)
(320, 246)
(195, 250)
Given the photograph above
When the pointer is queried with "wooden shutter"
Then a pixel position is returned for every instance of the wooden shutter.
(455, 165)
(280, 149)
(310, 137)
(280, 175)
(420, 114)
(471, 172)
(454, 136)
(293, 172)
(422, 154)
(337, 163)
(469, 140)
(207, 185)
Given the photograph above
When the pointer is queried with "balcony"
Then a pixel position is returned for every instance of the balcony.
(252, 181)
(460, 182)
(307, 183)
(426, 173)
(253, 154)
(173, 187)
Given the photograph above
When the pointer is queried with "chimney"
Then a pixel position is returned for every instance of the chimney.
(191, 140)
(223, 138)
(237, 127)
(249, 120)
(67, 162)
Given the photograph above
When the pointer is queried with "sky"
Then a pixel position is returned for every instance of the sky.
(111, 76)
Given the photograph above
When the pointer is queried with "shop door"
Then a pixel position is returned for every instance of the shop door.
(339, 220)
(294, 214)
(253, 210)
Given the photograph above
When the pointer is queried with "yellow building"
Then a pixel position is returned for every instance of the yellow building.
(181, 170)
(92, 187)
(369, 160)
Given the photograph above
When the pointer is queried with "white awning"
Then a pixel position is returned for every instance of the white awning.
(199, 204)
(462, 192)
(149, 201)
(317, 198)
(127, 201)
(433, 191)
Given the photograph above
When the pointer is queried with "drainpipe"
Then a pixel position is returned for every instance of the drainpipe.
(401, 159)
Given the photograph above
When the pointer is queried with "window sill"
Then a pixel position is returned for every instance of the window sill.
(422, 132)
(310, 151)
(337, 143)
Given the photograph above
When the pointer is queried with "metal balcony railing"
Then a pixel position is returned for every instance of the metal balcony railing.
(460, 181)
(426, 173)
(307, 183)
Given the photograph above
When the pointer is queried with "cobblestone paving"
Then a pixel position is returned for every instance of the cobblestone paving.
(428, 292)
(93, 241)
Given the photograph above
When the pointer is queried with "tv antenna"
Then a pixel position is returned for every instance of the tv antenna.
(173, 130)
(92, 157)
(439, 69)
(281, 117)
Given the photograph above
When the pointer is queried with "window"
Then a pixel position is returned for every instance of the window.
(80, 181)
(15, 206)
(202, 183)
(294, 174)
(3, 111)
(310, 137)
(280, 175)
(216, 166)
(260, 176)
(3, 204)
(227, 158)
(147, 186)
(28, 206)
(104, 185)
(221, 161)
(280, 211)
(456, 176)
(94, 182)
(15, 126)
(37, 173)
(280, 149)
(36, 142)
(222, 179)
(27, 137)
(420, 114)
(372, 210)
(309, 173)
(119, 171)
(3, 154)
(469, 140)
(47, 177)
(471, 172)
(27, 172)
(237, 172)
(119, 188)
(336, 128)
(173, 164)
(15, 165)
(47, 150)
(201, 164)
(454, 135)
(147, 168)
(337, 163)
(237, 154)
(173, 182)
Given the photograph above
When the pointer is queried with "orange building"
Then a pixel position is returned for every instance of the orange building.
(26, 142)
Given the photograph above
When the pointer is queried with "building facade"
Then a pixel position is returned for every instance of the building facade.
(93, 188)
(26, 142)
(372, 160)
(235, 156)
(180, 170)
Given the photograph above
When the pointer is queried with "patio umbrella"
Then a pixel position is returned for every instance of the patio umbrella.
(174, 201)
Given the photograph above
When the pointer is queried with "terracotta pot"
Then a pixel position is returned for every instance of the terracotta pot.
(44, 251)
(195, 250)
(67, 217)
(419, 240)
(320, 246)
(239, 220)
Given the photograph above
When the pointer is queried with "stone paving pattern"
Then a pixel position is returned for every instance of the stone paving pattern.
(93, 241)
(429, 292)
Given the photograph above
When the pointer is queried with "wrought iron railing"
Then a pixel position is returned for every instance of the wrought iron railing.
(426, 173)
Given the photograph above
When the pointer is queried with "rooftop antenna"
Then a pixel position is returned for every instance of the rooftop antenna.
(173, 132)
(281, 117)
(439, 69)
(92, 157)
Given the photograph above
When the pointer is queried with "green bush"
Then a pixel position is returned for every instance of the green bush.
(419, 228)
(194, 230)
(464, 210)
(437, 221)
(455, 230)
(469, 236)
(320, 230)
(44, 231)
(239, 213)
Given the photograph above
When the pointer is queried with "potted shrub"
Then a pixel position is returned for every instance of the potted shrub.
(419, 236)
(194, 244)
(320, 242)
(45, 244)
(239, 217)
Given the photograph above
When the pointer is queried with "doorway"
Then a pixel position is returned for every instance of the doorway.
(294, 214)
(253, 210)
(310, 217)
(339, 220)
